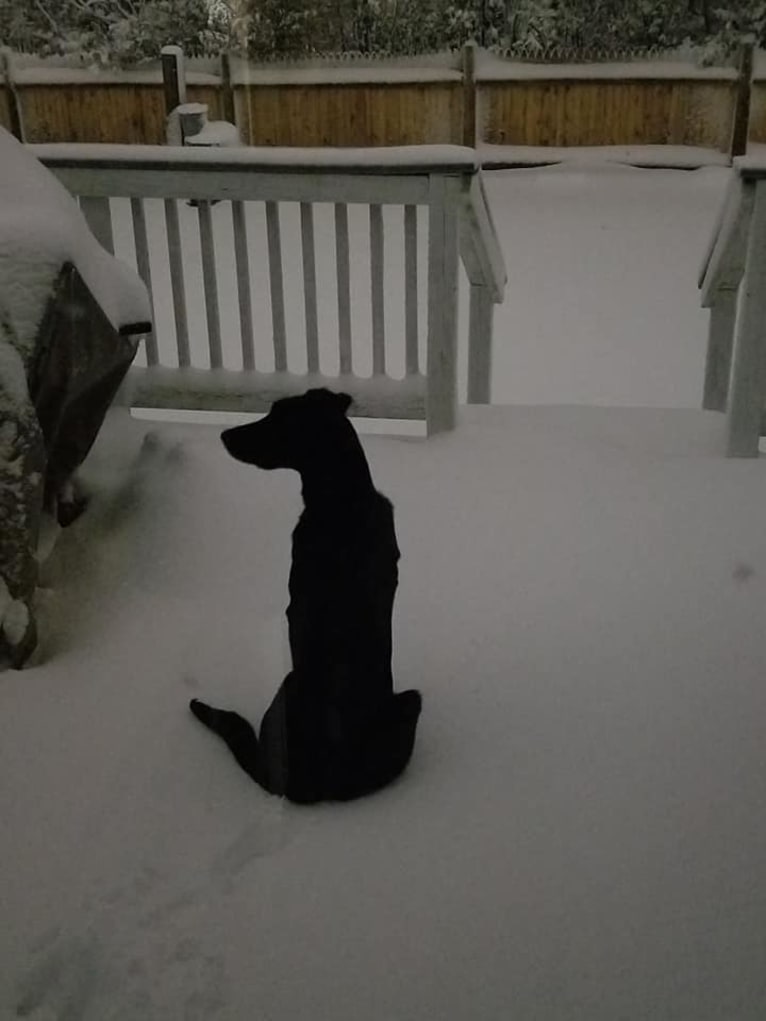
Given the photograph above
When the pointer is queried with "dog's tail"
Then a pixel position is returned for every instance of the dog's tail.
(238, 734)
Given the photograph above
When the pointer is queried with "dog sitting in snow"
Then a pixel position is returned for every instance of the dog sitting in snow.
(335, 729)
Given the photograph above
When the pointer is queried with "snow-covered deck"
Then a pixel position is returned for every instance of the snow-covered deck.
(581, 833)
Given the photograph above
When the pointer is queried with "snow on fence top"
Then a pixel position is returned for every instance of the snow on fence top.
(491, 68)
(339, 69)
(40, 75)
(246, 75)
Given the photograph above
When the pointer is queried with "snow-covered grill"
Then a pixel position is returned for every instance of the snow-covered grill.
(442, 215)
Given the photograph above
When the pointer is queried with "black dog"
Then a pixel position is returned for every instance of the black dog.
(335, 729)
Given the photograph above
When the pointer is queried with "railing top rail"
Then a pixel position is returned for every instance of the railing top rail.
(479, 243)
(750, 168)
(723, 263)
(404, 160)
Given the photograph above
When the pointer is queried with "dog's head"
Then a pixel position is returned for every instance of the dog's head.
(293, 432)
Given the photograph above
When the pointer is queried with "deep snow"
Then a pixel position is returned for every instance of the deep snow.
(581, 832)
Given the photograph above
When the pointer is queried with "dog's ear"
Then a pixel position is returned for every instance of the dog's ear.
(343, 401)
(330, 399)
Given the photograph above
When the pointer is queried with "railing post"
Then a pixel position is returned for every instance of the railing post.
(480, 317)
(441, 395)
(748, 371)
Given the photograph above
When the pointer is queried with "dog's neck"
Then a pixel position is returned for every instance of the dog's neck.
(338, 482)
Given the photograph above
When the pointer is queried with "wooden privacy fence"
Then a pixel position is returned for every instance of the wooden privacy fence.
(733, 286)
(442, 182)
(487, 101)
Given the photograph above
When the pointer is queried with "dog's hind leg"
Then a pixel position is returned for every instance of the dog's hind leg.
(238, 734)
(386, 750)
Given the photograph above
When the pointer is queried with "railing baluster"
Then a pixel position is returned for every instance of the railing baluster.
(277, 286)
(411, 289)
(98, 213)
(376, 280)
(344, 286)
(243, 284)
(210, 283)
(441, 399)
(175, 255)
(310, 286)
(144, 270)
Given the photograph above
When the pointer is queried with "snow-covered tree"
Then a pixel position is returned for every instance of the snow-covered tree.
(108, 31)
(129, 31)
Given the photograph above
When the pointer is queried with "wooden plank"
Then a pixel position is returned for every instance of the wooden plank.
(342, 265)
(277, 286)
(723, 314)
(310, 286)
(178, 287)
(144, 269)
(377, 291)
(210, 284)
(748, 374)
(480, 345)
(242, 259)
(441, 399)
(411, 289)
(98, 213)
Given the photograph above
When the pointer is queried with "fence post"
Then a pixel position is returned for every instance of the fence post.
(469, 95)
(173, 77)
(14, 106)
(228, 108)
(741, 120)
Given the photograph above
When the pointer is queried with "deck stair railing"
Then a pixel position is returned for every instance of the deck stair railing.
(732, 282)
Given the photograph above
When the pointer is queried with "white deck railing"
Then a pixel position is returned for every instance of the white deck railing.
(733, 286)
(442, 179)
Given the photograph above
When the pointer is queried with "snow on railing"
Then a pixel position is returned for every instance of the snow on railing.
(732, 283)
(410, 193)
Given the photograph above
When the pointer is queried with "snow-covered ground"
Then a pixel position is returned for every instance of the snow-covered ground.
(581, 834)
